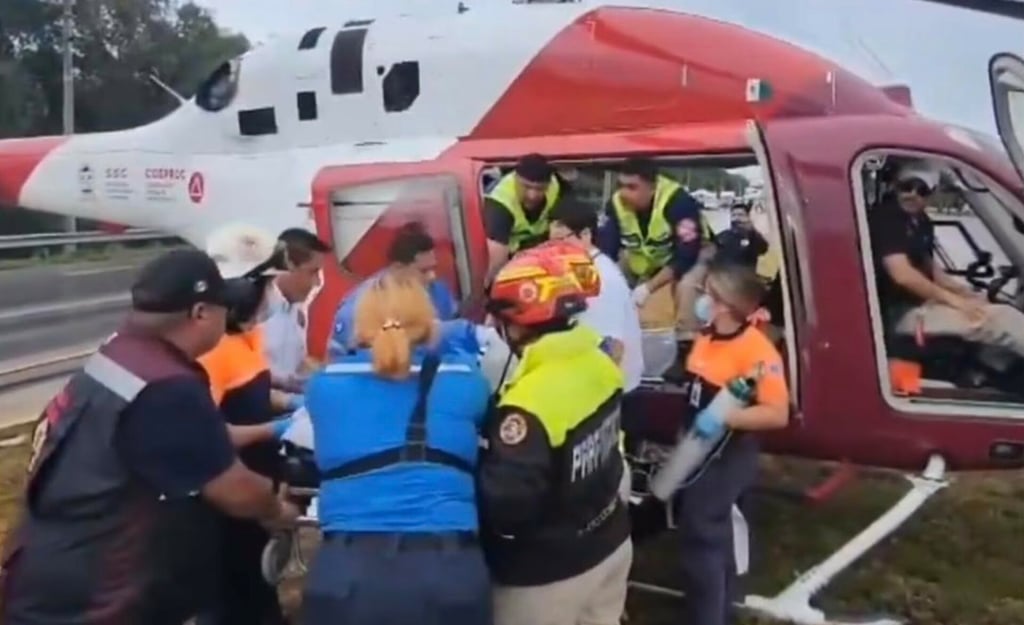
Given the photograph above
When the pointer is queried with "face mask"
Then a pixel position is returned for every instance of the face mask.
(703, 309)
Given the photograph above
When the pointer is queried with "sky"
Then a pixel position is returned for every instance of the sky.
(941, 52)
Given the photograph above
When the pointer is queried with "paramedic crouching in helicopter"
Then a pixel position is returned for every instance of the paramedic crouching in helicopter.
(728, 349)
(395, 427)
(916, 296)
(556, 532)
(517, 210)
(655, 229)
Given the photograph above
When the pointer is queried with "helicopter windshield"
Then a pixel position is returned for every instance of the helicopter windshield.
(219, 89)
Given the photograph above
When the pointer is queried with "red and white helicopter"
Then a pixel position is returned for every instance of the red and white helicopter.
(358, 127)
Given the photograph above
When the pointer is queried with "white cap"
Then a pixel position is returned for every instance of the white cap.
(924, 174)
(238, 248)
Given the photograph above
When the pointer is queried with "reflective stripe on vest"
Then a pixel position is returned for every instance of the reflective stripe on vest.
(645, 255)
(366, 367)
(524, 232)
(114, 377)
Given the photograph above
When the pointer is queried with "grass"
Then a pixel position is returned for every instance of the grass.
(958, 562)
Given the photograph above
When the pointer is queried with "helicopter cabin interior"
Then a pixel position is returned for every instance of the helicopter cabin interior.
(979, 243)
(717, 182)
(364, 216)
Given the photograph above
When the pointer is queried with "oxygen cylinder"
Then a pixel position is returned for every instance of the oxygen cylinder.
(693, 449)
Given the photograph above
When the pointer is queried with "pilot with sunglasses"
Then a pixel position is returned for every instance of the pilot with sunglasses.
(917, 297)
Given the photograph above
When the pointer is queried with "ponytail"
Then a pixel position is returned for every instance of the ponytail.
(392, 351)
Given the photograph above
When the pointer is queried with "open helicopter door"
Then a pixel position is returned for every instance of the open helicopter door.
(360, 208)
(784, 250)
(1006, 76)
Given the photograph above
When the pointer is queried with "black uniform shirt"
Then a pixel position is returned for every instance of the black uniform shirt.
(895, 231)
(741, 246)
(173, 437)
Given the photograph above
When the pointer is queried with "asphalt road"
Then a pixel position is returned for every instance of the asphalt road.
(52, 307)
(46, 284)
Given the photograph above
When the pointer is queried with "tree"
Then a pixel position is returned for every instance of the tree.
(117, 45)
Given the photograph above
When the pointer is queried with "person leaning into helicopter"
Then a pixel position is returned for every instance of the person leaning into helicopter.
(239, 376)
(728, 348)
(556, 532)
(302, 253)
(656, 231)
(395, 429)
(412, 252)
(517, 209)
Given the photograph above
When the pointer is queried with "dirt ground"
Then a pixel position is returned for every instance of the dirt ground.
(959, 562)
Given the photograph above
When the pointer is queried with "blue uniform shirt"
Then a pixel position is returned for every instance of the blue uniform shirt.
(355, 413)
(440, 295)
(685, 244)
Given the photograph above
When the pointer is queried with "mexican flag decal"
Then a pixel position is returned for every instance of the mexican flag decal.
(758, 90)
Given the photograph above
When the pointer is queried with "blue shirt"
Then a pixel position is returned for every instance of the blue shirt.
(686, 241)
(356, 413)
(440, 295)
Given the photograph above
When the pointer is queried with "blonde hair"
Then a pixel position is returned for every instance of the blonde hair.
(738, 285)
(393, 315)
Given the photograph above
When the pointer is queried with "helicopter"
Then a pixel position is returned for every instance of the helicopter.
(355, 129)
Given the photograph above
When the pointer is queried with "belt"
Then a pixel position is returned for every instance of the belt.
(406, 541)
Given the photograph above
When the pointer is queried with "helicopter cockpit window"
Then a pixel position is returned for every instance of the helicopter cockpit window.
(217, 91)
(943, 249)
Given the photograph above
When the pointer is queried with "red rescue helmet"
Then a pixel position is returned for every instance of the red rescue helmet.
(580, 264)
(541, 285)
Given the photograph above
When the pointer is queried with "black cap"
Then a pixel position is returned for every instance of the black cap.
(177, 281)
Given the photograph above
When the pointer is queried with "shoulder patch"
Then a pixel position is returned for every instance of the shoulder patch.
(686, 230)
(512, 430)
(602, 219)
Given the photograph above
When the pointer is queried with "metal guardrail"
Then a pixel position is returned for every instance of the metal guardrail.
(43, 370)
(30, 241)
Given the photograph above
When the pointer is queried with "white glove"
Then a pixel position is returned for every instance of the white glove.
(486, 336)
(640, 294)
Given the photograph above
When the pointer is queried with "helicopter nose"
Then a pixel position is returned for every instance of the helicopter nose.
(18, 159)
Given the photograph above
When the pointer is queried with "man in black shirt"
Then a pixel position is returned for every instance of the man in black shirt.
(741, 243)
(915, 295)
(129, 461)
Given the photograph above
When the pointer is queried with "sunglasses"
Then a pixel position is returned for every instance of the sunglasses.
(914, 186)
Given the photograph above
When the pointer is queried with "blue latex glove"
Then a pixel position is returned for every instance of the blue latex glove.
(281, 426)
(708, 424)
(296, 401)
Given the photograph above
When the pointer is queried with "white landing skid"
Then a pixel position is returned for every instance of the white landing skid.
(793, 604)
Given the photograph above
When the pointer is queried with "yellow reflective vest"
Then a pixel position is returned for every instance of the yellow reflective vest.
(646, 255)
(564, 379)
(524, 232)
